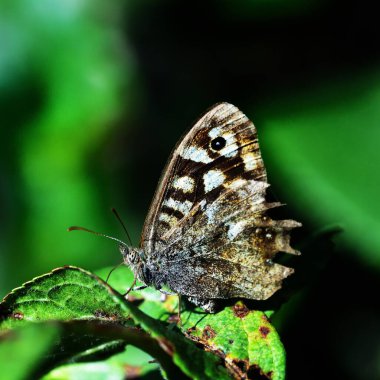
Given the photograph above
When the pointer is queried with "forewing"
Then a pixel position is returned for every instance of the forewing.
(220, 147)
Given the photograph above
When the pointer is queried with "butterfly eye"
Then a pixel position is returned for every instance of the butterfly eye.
(218, 143)
(131, 256)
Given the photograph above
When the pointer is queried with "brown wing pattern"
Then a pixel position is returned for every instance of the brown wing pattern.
(221, 147)
(225, 248)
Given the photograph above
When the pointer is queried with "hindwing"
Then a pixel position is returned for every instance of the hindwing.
(225, 249)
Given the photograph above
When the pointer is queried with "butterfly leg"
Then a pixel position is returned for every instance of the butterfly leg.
(110, 272)
(177, 318)
(179, 311)
(167, 293)
(141, 287)
(131, 287)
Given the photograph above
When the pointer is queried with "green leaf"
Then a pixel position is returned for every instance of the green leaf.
(93, 371)
(81, 340)
(77, 74)
(246, 338)
(21, 350)
(149, 300)
(182, 350)
(74, 339)
(321, 146)
(244, 344)
(265, 350)
(72, 293)
(131, 362)
(64, 294)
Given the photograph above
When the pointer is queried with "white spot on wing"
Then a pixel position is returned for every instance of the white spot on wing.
(196, 154)
(183, 207)
(169, 219)
(212, 179)
(215, 132)
(250, 161)
(185, 184)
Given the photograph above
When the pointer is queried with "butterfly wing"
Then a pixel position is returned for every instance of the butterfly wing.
(225, 249)
(198, 168)
(207, 224)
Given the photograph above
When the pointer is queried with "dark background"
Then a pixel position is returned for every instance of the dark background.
(94, 95)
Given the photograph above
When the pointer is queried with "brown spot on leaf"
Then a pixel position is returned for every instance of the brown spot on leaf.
(132, 372)
(231, 341)
(264, 331)
(7, 312)
(17, 315)
(174, 318)
(208, 333)
(191, 329)
(166, 346)
(240, 310)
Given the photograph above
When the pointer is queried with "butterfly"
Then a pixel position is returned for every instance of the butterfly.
(207, 235)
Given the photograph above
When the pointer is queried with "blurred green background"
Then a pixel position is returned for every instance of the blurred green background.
(94, 95)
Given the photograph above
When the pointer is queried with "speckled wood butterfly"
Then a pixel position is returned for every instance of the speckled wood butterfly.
(207, 235)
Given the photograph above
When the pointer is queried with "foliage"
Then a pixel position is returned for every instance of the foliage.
(321, 169)
(94, 95)
(92, 321)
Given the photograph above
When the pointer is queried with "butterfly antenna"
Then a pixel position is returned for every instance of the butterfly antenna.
(76, 228)
(111, 271)
(122, 224)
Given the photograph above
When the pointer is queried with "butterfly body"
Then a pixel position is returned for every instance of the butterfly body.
(207, 235)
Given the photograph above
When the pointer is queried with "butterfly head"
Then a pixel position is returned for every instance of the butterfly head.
(133, 257)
